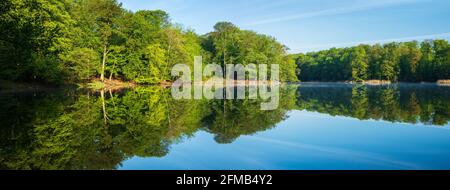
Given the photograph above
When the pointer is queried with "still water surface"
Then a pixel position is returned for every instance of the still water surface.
(316, 126)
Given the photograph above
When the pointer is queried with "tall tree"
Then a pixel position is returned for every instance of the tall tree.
(105, 15)
(359, 64)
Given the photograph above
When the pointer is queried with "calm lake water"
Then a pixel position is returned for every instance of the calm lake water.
(316, 126)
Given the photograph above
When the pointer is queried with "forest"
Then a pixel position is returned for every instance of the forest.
(427, 61)
(78, 41)
(74, 41)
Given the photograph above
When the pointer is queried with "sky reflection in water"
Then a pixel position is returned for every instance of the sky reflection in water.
(316, 126)
(308, 140)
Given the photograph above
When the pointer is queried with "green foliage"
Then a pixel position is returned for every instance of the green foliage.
(33, 33)
(75, 40)
(408, 61)
(288, 70)
(154, 70)
(96, 85)
(81, 63)
(47, 69)
(227, 44)
(359, 64)
(58, 41)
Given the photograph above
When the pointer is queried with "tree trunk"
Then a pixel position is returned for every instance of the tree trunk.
(112, 98)
(102, 74)
(112, 71)
(105, 116)
(168, 113)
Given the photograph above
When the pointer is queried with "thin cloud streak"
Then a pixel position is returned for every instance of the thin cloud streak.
(342, 153)
(335, 11)
(370, 42)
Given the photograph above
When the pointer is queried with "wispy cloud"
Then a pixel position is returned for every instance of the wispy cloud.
(355, 7)
(342, 153)
(382, 41)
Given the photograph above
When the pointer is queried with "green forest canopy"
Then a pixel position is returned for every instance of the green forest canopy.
(407, 61)
(58, 41)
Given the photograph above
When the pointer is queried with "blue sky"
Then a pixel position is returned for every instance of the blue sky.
(311, 25)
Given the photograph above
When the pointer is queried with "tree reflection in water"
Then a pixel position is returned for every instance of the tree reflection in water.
(75, 129)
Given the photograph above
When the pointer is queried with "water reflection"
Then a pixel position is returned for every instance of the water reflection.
(75, 129)
(409, 103)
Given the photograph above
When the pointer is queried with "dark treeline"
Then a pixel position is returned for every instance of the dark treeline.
(407, 61)
(57, 41)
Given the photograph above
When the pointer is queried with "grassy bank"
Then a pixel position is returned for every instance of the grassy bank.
(97, 84)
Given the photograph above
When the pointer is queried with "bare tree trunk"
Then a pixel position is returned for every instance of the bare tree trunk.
(102, 93)
(112, 98)
(111, 74)
(168, 113)
(105, 53)
(225, 79)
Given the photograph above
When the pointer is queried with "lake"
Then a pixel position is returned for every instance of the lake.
(316, 126)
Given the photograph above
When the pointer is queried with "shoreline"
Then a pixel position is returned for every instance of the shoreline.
(96, 84)
(114, 84)
(14, 87)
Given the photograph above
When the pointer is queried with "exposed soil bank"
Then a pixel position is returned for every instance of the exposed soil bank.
(372, 82)
(233, 82)
(444, 82)
(97, 84)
